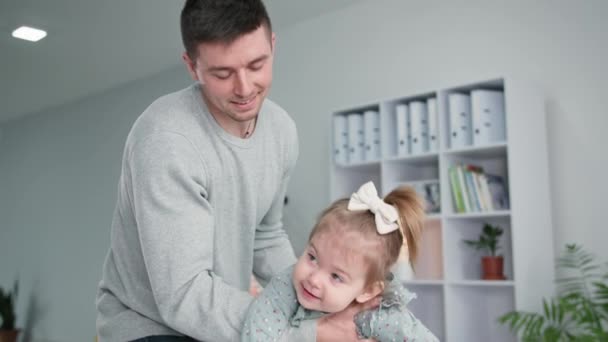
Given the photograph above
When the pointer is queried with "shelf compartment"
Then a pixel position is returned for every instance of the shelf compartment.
(491, 164)
(479, 152)
(389, 123)
(429, 264)
(399, 171)
(346, 180)
(428, 307)
(464, 261)
(473, 312)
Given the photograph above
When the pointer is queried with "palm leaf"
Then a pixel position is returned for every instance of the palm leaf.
(580, 310)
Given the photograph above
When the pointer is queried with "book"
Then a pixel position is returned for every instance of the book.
(497, 188)
(456, 193)
(463, 189)
(432, 197)
(472, 191)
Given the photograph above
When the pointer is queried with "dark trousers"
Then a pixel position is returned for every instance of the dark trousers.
(165, 338)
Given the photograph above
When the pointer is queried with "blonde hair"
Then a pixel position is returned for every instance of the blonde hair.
(337, 219)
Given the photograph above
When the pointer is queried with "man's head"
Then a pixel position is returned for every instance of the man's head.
(229, 50)
(220, 21)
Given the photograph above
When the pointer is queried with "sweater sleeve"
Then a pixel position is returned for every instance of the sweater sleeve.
(176, 229)
(272, 249)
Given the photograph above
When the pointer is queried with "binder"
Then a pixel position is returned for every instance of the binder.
(460, 120)
(401, 113)
(371, 133)
(419, 127)
(340, 140)
(488, 115)
(431, 107)
(355, 137)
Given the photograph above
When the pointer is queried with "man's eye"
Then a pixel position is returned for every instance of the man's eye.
(222, 75)
(256, 67)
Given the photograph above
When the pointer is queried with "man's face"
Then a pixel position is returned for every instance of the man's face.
(327, 278)
(235, 77)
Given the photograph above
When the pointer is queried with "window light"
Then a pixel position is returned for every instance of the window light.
(29, 33)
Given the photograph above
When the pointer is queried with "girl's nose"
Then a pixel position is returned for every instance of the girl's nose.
(314, 278)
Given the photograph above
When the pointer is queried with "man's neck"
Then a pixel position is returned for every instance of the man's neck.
(240, 129)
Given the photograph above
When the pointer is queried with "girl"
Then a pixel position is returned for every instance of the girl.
(348, 258)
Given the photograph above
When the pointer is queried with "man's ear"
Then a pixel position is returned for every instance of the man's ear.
(190, 65)
(370, 292)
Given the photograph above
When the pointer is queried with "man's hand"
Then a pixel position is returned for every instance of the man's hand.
(340, 326)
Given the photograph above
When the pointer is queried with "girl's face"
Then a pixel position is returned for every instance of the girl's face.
(329, 275)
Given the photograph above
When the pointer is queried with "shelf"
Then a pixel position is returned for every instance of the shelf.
(506, 283)
(371, 163)
(480, 214)
(433, 217)
(498, 150)
(423, 282)
(422, 159)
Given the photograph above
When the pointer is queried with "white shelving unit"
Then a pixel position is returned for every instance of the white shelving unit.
(452, 300)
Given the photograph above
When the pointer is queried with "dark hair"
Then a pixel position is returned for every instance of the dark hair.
(386, 248)
(206, 21)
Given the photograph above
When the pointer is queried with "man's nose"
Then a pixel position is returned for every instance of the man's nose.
(242, 84)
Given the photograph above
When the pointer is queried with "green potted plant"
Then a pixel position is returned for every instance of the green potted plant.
(8, 332)
(492, 263)
(579, 311)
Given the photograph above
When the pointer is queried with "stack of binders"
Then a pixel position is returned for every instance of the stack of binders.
(356, 137)
(476, 119)
(417, 127)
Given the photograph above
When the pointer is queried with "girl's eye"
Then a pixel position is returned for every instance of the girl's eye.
(336, 277)
(311, 257)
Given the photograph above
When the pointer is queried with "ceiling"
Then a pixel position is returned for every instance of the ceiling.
(96, 45)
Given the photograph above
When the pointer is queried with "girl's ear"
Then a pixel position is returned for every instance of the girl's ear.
(370, 292)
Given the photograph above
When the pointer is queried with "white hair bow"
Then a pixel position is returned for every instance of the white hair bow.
(366, 198)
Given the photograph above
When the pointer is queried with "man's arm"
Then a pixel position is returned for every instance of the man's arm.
(272, 249)
(176, 230)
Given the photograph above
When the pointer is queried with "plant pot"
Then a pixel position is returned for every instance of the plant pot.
(492, 268)
(9, 335)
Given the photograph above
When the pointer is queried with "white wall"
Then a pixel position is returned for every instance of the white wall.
(389, 48)
(58, 179)
(59, 169)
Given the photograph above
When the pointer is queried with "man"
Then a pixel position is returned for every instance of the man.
(200, 199)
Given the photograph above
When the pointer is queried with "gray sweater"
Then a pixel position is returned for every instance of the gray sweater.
(197, 211)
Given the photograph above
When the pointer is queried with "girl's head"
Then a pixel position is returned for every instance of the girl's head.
(348, 259)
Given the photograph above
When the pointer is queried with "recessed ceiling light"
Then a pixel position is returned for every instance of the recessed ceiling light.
(29, 33)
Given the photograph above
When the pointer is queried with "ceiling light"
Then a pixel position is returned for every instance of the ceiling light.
(29, 33)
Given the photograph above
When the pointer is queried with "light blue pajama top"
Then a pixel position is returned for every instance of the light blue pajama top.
(273, 315)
